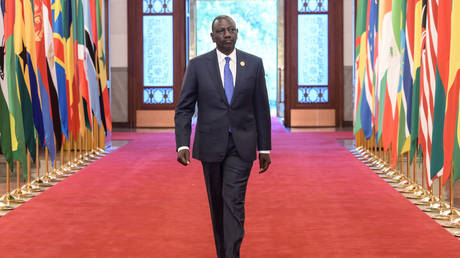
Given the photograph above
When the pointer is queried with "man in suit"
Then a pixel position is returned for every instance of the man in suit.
(233, 123)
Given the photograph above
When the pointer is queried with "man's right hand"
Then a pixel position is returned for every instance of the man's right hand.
(183, 156)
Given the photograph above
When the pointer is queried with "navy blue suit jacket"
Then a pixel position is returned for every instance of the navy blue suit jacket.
(248, 114)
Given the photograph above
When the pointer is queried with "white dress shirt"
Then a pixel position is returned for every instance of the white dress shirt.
(221, 61)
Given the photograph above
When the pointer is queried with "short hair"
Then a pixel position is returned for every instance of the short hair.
(221, 17)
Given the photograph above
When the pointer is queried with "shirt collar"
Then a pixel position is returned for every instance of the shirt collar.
(221, 56)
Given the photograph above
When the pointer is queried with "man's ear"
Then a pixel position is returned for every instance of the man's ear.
(212, 37)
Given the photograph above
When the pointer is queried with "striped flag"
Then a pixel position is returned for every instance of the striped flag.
(59, 58)
(428, 84)
(34, 23)
(5, 129)
(102, 69)
(451, 124)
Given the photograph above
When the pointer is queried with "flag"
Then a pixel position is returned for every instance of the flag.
(25, 50)
(25, 93)
(5, 129)
(51, 70)
(18, 147)
(360, 62)
(367, 105)
(451, 124)
(82, 78)
(390, 67)
(36, 23)
(70, 62)
(90, 51)
(456, 151)
(442, 79)
(395, 75)
(381, 67)
(419, 13)
(405, 108)
(102, 69)
(59, 58)
(428, 84)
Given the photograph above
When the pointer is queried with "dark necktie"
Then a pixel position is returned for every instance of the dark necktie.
(228, 80)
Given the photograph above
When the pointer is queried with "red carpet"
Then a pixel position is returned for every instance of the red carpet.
(316, 200)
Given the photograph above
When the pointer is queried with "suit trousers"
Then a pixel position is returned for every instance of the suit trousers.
(226, 183)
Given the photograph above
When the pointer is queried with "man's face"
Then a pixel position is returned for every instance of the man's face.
(224, 34)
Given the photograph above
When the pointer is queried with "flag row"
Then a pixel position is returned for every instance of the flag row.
(52, 74)
(406, 80)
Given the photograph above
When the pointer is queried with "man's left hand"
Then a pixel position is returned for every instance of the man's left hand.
(264, 162)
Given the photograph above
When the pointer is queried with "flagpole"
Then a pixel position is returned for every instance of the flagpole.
(29, 188)
(450, 214)
(82, 159)
(15, 196)
(58, 172)
(63, 170)
(5, 206)
(415, 190)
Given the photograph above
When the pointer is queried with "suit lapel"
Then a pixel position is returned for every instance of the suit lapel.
(213, 68)
(240, 73)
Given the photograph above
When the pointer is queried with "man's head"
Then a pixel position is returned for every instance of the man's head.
(224, 33)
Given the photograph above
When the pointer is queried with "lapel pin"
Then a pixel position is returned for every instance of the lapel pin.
(242, 63)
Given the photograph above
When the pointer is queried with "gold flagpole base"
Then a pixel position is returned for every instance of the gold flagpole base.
(103, 151)
(87, 159)
(31, 189)
(404, 183)
(427, 200)
(49, 179)
(410, 189)
(76, 165)
(5, 207)
(436, 206)
(72, 167)
(19, 194)
(58, 173)
(378, 167)
(419, 194)
(65, 169)
(454, 222)
(447, 214)
(83, 163)
(8, 198)
(40, 183)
